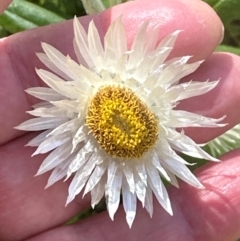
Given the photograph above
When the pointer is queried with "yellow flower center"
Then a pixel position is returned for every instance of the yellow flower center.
(121, 123)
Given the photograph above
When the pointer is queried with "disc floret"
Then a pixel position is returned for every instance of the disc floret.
(121, 123)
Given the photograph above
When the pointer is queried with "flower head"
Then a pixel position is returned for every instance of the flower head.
(110, 120)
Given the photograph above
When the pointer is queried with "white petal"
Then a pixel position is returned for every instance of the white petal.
(81, 158)
(80, 58)
(187, 146)
(36, 141)
(43, 104)
(41, 123)
(52, 112)
(115, 45)
(153, 175)
(79, 136)
(156, 97)
(120, 68)
(138, 47)
(171, 73)
(98, 191)
(59, 172)
(95, 177)
(46, 61)
(128, 172)
(94, 160)
(165, 152)
(140, 189)
(162, 51)
(129, 202)
(112, 169)
(74, 187)
(95, 46)
(181, 118)
(173, 179)
(81, 39)
(113, 193)
(67, 126)
(56, 157)
(75, 106)
(115, 42)
(52, 142)
(182, 172)
(66, 88)
(158, 57)
(81, 81)
(149, 201)
(179, 69)
(90, 76)
(156, 163)
(141, 171)
(119, 39)
(81, 178)
(58, 59)
(189, 89)
(189, 68)
(152, 39)
(44, 93)
(159, 189)
(169, 40)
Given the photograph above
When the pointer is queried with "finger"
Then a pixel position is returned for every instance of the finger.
(4, 4)
(202, 32)
(222, 100)
(211, 214)
(26, 208)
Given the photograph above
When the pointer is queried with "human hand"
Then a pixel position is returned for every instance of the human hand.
(4, 4)
(30, 212)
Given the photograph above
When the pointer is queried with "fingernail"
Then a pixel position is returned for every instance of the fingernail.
(222, 35)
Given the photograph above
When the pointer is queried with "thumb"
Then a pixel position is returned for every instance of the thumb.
(4, 4)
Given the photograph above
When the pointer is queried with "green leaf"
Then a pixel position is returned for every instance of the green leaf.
(211, 2)
(227, 48)
(93, 6)
(110, 3)
(224, 143)
(3, 32)
(229, 12)
(64, 8)
(14, 23)
(33, 13)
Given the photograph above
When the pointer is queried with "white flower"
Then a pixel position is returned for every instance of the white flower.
(111, 120)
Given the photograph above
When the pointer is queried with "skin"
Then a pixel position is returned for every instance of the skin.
(28, 212)
(4, 5)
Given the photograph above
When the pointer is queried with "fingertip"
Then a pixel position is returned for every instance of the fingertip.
(202, 29)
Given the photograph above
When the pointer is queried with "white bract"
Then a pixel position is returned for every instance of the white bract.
(110, 119)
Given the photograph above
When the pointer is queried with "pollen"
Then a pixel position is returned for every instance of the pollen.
(121, 123)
